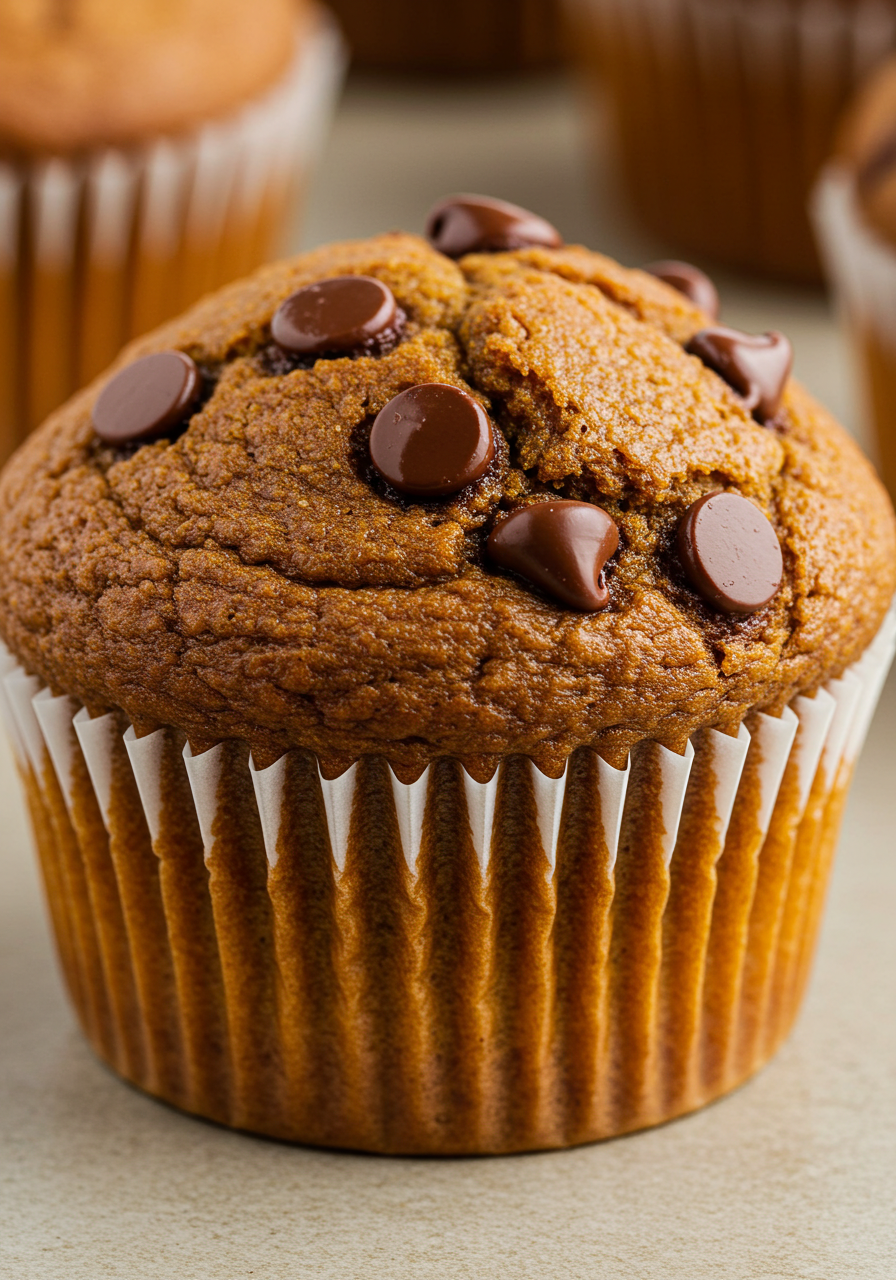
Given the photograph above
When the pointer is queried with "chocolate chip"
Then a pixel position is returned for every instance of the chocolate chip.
(432, 440)
(477, 224)
(348, 315)
(730, 553)
(561, 547)
(689, 280)
(756, 366)
(147, 398)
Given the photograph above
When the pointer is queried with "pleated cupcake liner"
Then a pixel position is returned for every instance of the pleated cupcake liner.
(861, 267)
(445, 966)
(470, 36)
(725, 111)
(99, 248)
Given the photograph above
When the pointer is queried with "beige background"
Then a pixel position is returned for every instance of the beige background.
(792, 1177)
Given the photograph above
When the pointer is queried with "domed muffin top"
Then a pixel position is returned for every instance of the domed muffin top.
(618, 542)
(84, 73)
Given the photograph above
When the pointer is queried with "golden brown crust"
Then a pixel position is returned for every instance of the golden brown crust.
(252, 580)
(81, 73)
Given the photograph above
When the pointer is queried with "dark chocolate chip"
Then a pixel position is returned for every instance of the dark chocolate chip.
(561, 547)
(756, 366)
(432, 440)
(348, 315)
(730, 553)
(477, 224)
(689, 280)
(147, 398)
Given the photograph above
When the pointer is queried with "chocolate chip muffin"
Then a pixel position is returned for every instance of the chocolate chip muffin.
(437, 667)
(149, 152)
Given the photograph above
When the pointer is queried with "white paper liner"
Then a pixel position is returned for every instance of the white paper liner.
(826, 730)
(24, 729)
(8, 667)
(861, 266)
(55, 717)
(219, 992)
(549, 794)
(269, 784)
(775, 737)
(339, 795)
(410, 805)
(204, 772)
(729, 758)
(676, 771)
(80, 217)
(145, 755)
(613, 787)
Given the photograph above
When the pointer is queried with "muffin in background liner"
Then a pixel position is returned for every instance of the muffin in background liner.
(861, 266)
(97, 249)
(724, 112)
(469, 36)
(449, 966)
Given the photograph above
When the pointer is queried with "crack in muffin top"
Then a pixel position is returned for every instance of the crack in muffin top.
(254, 577)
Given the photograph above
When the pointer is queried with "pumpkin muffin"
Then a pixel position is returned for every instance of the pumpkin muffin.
(724, 113)
(149, 152)
(437, 669)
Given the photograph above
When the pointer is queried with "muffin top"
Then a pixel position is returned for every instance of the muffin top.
(866, 144)
(83, 73)
(274, 568)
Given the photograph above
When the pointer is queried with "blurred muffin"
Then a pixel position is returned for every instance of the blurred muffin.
(149, 151)
(855, 211)
(724, 112)
(471, 36)
(436, 672)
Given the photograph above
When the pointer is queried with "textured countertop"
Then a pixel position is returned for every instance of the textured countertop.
(793, 1176)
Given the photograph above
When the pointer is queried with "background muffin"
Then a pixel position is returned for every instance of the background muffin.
(855, 208)
(724, 113)
(475, 35)
(148, 152)
(419, 840)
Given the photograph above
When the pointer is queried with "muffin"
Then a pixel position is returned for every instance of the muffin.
(436, 670)
(855, 214)
(724, 112)
(149, 152)
(473, 36)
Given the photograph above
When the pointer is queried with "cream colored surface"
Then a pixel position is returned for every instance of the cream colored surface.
(789, 1179)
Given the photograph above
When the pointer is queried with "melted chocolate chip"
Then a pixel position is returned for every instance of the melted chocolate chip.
(730, 553)
(348, 315)
(756, 366)
(477, 224)
(147, 398)
(561, 547)
(689, 280)
(432, 440)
